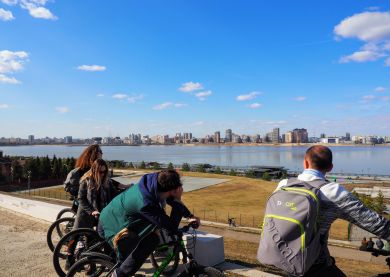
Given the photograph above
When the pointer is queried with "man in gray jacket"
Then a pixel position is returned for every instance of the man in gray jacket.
(336, 202)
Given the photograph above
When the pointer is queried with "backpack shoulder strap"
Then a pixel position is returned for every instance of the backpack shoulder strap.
(317, 184)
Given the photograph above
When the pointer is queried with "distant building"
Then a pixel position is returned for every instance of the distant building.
(330, 140)
(347, 136)
(322, 136)
(300, 136)
(288, 137)
(228, 135)
(275, 135)
(217, 137)
(68, 139)
(187, 137)
(31, 139)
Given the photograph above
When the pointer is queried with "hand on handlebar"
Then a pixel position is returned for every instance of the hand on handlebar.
(194, 222)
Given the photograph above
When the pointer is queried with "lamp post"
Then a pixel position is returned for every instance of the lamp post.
(29, 180)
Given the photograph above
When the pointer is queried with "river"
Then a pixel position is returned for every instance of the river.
(346, 159)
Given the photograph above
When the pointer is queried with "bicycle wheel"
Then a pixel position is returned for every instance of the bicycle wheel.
(61, 226)
(91, 266)
(70, 247)
(161, 254)
(67, 212)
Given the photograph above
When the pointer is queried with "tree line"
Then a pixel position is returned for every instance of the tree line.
(40, 168)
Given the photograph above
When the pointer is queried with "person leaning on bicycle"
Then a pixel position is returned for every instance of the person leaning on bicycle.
(131, 221)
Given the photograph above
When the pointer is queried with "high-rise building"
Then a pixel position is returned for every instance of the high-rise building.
(31, 138)
(288, 137)
(187, 137)
(275, 135)
(347, 136)
(300, 136)
(228, 135)
(217, 137)
(68, 139)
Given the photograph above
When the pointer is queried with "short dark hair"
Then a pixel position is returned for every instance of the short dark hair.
(320, 157)
(168, 180)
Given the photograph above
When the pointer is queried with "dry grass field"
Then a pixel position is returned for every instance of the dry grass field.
(244, 253)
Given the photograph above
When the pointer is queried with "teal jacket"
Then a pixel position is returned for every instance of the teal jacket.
(139, 208)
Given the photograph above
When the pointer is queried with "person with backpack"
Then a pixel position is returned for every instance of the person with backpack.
(83, 164)
(299, 214)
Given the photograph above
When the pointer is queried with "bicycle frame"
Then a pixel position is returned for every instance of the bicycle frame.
(171, 254)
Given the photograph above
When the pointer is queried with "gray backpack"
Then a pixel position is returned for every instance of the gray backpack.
(290, 239)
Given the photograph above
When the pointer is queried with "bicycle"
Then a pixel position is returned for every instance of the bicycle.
(62, 226)
(80, 240)
(99, 264)
(69, 212)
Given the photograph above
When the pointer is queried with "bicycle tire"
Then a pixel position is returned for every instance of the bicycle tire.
(84, 265)
(89, 236)
(157, 258)
(57, 225)
(211, 272)
(66, 210)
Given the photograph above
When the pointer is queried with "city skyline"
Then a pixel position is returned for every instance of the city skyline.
(199, 66)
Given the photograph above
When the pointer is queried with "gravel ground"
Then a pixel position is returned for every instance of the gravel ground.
(23, 248)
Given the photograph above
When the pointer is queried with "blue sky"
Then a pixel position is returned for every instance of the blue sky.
(96, 68)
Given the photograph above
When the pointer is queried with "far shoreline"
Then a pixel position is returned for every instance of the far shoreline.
(215, 145)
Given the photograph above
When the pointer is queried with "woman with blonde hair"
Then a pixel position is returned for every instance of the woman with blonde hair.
(95, 192)
(83, 164)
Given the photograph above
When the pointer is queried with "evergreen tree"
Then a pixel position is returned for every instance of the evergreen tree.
(131, 165)
(250, 173)
(170, 166)
(218, 170)
(200, 168)
(379, 203)
(142, 165)
(185, 167)
(232, 172)
(56, 169)
(266, 176)
(17, 170)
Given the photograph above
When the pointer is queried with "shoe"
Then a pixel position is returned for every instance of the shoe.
(69, 262)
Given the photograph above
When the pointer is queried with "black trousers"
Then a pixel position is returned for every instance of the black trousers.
(324, 270)
(134, 252)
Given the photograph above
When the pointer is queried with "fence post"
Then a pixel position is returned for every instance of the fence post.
(253, 225)
(240, 220)
(215, 213)
(204, 214)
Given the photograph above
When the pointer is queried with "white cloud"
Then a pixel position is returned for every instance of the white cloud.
(380, 89)
(163, 106)
(6, 15)
(91, 67)
(190, 86)
(100, 95)
(10, 2)
(366, 26)
(8, 80)
(371, 27)
(249, 96)
(62, 109)
(41, 12)
(385, 98)
(135, 98)
(198, 123)
(255, 105)
(167, 105)
(203, 95)
(361, 56)
(300, 98)
(3, 106)
(11, 62)
(119, 96)
(368, 97)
